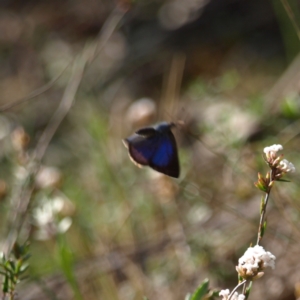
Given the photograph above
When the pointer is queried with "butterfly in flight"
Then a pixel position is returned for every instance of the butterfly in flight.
(155, 147)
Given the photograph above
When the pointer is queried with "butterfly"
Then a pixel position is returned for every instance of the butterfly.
(155, 147)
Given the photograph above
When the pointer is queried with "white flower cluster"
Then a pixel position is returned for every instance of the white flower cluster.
(225, 294)
(45, 218)
(283, 165)
(254, 261)
(287, 166)
(273, 149)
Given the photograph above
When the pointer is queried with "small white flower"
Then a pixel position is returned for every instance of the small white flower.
(48, 177)
(64, 225)
(43, 214)
(57, 204)
(273, 149)
(45, 217)
(225, 294)
(287, 166)
(21, 173)
(271, 152)
(255, 260)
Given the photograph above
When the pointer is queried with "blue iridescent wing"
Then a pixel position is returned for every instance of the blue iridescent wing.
(165, 158)
(142, 146)
(155, 148)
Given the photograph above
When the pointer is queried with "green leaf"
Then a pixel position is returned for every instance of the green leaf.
(26, 257)
(10, 266)
(262, 204)
(283, 180)
(216, 293)
(5, 285)
(188, 297)
(23, 268)
(201, 291)
(263, 228)
(66, 260)
(290, 107)
(18, 266)
(261, 186)
(248, 290)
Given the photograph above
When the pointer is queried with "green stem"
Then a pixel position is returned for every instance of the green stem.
(262, 217)
(264, 208)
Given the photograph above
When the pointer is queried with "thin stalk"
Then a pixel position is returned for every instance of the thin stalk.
(262, 217)
(233, 291)
(264, 209)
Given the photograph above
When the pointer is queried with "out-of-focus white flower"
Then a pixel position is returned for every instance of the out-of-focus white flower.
(254, 261)
(48, 177)
(225, 294)
(141, 112)
(64, 225)
(286, 166)
(276, 162)
(21, 173)
(238, 297)
(46, 218)
(271, 151)
(273, 148)
(44, 214)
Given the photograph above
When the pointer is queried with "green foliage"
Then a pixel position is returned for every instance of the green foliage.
(264, 227)
(12, 268)
(283, 180)
(290, 107)
(289, 33)
(248, 290)
(203, 292)
(262, 204)
(66, 260)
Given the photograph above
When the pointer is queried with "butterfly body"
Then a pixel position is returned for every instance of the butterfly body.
(155, 147)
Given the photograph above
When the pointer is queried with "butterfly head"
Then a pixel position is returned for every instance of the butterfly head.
(163, 127)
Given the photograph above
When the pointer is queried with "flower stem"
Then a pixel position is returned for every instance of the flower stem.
(264, 209)
(233, 291)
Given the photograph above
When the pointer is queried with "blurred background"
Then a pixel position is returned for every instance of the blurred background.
(98, 226)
